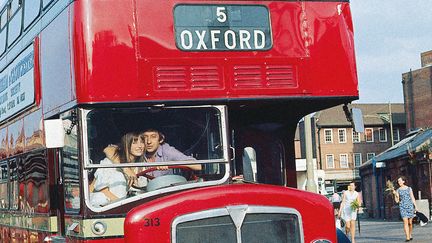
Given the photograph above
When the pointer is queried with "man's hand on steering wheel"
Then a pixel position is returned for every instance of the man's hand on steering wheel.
(151, 169)
(161, 167)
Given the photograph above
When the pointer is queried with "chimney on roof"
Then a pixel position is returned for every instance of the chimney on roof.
(426, 58)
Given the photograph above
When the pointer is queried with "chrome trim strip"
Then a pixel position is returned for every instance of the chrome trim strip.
(114, 227)
(34, 222)
(152, 164)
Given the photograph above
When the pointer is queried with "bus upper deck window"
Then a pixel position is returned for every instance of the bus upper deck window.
(45, 3)
(15, 5)
(31, 11)
(15, 22)
(3, 19)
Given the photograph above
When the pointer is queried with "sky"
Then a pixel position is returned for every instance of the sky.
(389, 37)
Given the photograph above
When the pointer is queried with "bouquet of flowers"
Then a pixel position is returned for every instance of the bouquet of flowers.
(355, 205)
(390, 188)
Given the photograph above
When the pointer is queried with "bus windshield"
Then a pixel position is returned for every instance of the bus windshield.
(132, 147)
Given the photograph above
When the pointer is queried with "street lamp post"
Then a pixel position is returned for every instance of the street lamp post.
(310, 170)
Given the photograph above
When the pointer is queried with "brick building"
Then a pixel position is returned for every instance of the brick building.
(417, 89)
(411, 158)
(341, 151)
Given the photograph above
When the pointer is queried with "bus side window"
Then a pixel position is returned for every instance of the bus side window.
(15, 21)
(31, 11)
(13, 184)
(4, 174)
(3, 22)
(21, 183)
(70, 164)
(249, 164)
(36, 169)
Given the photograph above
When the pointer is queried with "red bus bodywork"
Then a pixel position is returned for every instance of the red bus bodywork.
(166, 209)
(133, 57)
(111, 53)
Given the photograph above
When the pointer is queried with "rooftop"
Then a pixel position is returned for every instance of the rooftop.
(373, 115)
(413, 143)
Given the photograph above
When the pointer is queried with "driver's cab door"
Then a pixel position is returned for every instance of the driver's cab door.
(260, 156)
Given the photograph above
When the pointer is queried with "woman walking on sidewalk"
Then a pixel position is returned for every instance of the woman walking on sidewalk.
(348, 209)
(407, 205)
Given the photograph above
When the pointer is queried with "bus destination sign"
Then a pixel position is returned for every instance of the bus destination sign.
(222, 27)
(17, 84)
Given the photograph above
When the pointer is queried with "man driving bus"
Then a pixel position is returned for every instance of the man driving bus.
(159, 151)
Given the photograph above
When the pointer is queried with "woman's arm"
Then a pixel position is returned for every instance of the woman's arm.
(413, 199)
(194, 167)
(109, 194)
(342, 204)
(111, 153)
(92, 185)
(396, 196)
(358, 198)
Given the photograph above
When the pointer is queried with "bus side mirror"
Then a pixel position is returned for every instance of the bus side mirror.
(249, 164)
(357, 120)
(54, 133)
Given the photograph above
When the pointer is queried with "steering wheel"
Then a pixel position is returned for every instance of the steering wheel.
(164, 180)
(150, 177)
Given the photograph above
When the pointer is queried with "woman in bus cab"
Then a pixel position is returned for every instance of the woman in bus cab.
(110, 184)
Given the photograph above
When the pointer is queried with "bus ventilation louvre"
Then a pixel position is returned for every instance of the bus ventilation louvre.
(210, 77)
(266, 76)
(188, 77)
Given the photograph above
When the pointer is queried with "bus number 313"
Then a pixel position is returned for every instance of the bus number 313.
(151, 222)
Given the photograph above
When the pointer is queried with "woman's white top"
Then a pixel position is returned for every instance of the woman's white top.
(111, 178)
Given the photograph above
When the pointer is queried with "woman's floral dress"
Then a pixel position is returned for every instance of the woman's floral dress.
(406, 206)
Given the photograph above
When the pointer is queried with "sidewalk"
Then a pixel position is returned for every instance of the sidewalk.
(372, 230)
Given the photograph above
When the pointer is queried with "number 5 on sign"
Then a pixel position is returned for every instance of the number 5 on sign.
(221, 14)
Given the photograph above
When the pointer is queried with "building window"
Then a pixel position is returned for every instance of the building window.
(328, 136)
(369, 156)
(356, 137)
(369, 135)
(357, 159)
(382, 135)
(396, 136)
(342, 135)
(343, 160)
(330, 161)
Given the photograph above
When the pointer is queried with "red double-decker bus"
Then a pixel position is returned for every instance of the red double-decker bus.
(220, 85)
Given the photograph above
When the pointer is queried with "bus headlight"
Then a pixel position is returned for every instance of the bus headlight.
(99, 228)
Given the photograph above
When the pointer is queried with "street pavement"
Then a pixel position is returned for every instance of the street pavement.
(372, 230)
